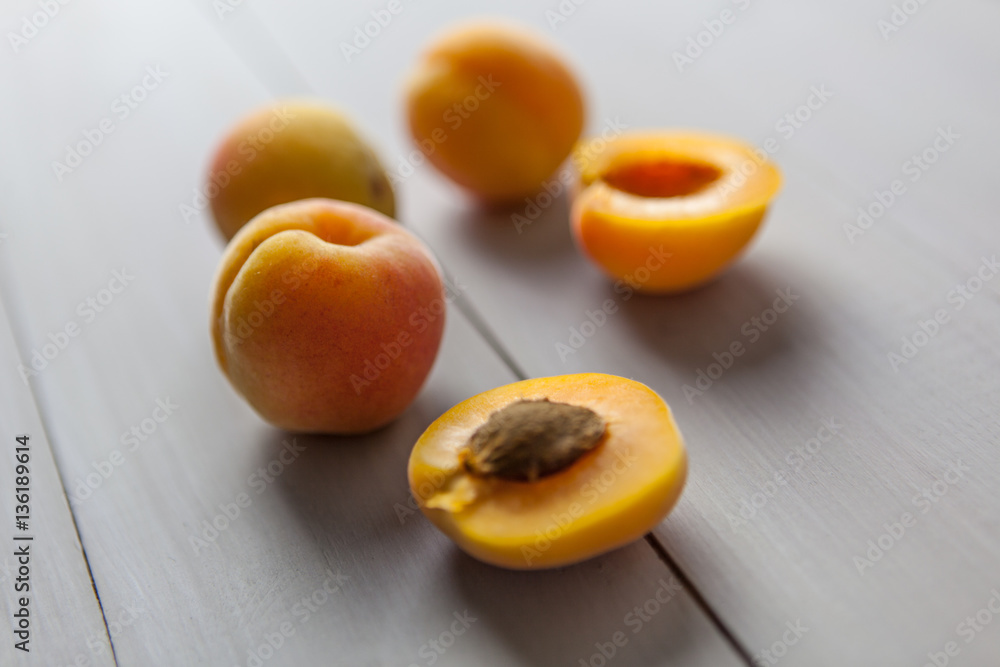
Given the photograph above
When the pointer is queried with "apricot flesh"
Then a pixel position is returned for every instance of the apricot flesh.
(696, 199)
(290, 151)
(494, 108)
(327, 316)
(611, 495)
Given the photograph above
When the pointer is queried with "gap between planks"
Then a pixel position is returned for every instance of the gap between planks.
(290, 72)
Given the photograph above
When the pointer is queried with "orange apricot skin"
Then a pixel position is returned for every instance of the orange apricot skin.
(494, 108)
(327, 316)
(670, 244)
(290, 151)
(621, 248)
(608, 498)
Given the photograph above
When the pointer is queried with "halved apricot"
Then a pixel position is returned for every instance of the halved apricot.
(551, 471)
(668, 211)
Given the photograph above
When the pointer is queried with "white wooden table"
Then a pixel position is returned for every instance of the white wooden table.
(842, 506)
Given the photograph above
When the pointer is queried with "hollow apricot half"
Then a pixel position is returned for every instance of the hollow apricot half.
(550, 471)
(668, 211)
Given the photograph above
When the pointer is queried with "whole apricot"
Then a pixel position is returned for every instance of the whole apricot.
(668, 211)
(291, 151)
(551, 471)
(494, 108)
(327, 316)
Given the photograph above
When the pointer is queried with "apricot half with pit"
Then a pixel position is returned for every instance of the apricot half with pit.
(551, 471)
(327, 316)
(495, 108)
(289, 151)
(668, 211)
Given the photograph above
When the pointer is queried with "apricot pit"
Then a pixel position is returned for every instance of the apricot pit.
(531, 439)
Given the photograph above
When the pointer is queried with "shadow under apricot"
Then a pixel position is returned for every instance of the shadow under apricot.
(689, 329)
(559, 616)
(345, 489)
(518, 235)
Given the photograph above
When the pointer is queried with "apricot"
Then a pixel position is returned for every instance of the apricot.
(551, 471)
(327, 316)
(494, 108)
(291, 151)
(668, 211)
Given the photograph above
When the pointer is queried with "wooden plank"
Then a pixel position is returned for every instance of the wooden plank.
(65, 622)
(912, 105)
(326, 561)
(827, 359)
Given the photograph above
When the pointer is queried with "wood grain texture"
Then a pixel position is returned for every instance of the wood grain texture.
(66, 623)
(327, 560)
(892, 434)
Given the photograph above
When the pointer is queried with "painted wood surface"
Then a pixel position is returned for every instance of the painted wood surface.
(236, 541)
(809, 451)
(65, 622)
(841, 507)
